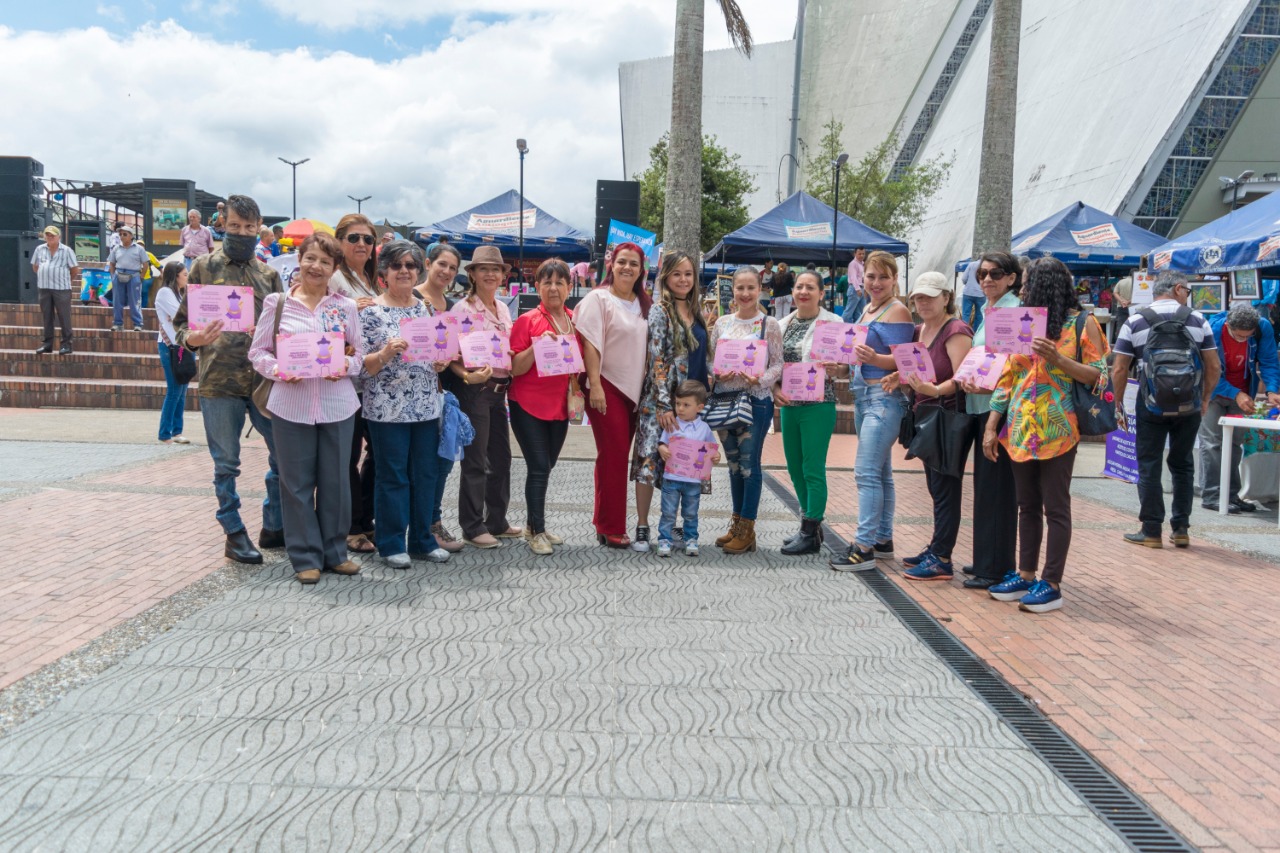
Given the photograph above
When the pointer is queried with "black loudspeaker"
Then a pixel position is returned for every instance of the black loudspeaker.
(17, 279)
(22, 205)
(618, 200)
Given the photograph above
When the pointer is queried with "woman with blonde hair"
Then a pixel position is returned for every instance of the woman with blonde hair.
(877, 414)
(744, 445)
(677, 351)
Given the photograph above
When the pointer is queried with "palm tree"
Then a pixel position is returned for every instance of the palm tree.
(993, 223)
(682, 222)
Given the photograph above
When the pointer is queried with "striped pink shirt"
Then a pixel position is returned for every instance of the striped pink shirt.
(311, 401)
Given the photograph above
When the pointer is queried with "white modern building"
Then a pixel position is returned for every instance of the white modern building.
(1149, 109)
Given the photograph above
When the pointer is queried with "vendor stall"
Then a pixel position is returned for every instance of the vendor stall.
(497, 222)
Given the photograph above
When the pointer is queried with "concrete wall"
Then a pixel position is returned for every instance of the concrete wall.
(746, 104)
(1099, 86)
(862, 61)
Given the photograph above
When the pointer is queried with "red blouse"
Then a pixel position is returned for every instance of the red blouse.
(544, 397)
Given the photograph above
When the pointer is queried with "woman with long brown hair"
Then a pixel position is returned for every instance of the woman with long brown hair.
(677, 351)
(356, 277)
(612, 324)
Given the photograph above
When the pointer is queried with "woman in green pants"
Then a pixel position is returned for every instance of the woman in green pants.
(807, 426)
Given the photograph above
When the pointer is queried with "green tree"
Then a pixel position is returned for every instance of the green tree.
(725, 186)
(893, 207)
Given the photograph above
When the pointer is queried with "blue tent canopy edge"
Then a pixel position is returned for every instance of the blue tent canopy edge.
(496, 223)
(1246, 238)
(800, 229)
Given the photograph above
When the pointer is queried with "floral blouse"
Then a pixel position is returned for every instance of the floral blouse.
(666, 369)
(796, 341)
(401, 392)
(729, 327)
(1041, 422)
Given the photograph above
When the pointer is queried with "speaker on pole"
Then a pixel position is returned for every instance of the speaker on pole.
(618, 200)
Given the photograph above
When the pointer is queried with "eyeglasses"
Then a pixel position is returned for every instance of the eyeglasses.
(356, 238)
(994, 275)
(405, 265)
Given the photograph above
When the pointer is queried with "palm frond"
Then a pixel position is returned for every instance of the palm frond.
(736, 23)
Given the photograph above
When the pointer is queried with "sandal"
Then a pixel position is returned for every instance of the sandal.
(360, 544)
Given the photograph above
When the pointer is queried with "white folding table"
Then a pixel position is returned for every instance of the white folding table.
(1229, 425)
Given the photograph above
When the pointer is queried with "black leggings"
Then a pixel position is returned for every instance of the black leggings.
(540, 441)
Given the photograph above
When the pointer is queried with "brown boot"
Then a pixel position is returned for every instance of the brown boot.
(744, 540)
(733, 531)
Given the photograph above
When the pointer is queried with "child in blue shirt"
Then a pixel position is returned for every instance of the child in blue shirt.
(690, 397)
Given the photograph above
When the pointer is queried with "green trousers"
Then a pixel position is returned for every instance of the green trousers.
(806, 435)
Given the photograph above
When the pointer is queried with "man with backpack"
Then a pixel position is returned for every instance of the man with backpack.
(1246, 346)
(1178, 368)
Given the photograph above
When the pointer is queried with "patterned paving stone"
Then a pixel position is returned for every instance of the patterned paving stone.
(593, 700)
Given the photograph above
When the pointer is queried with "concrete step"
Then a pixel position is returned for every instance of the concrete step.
(31, 392)
(139, 367)
(82, 316)
(23, 337)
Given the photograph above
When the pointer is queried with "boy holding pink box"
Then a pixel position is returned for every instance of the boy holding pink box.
(686, 465)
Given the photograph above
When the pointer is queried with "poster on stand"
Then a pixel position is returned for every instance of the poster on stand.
(1121, 459)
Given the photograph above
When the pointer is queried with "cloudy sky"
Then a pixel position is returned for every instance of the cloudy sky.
(415, 102)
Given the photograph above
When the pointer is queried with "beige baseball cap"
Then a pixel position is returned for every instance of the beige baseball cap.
(930, 284)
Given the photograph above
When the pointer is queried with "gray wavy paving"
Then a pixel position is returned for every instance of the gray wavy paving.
(593, 700)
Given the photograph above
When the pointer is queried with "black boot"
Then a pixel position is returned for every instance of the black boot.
(240, 548)
(271, 538)
(791, 540)
(806, 541)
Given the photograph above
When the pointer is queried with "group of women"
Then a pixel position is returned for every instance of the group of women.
(410, 420)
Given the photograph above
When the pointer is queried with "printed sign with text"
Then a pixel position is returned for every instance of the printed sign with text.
(982, 368)
(1011, 330)
(486, 349)
(232, 305)
(310, 355)
(837, 342)
(430, 338)
(913, 360)
(556, 356)
(741, 356)
(689, 458)
(804, 381)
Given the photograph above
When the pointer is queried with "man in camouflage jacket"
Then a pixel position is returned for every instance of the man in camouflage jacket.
(226, 378)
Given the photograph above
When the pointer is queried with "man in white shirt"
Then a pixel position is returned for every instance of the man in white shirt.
(55, 265)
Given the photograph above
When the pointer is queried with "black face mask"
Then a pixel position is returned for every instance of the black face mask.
(239, 247)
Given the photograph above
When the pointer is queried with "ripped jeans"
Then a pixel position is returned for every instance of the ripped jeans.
(742, 450)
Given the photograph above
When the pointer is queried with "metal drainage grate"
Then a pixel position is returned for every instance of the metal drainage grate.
(1121, 809)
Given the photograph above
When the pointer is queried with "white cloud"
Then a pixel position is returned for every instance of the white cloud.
(111, 13)
(426, 134)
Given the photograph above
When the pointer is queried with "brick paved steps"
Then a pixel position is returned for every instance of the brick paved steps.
(82, 316)
(29, 392)
(131, 367)
(86, 340)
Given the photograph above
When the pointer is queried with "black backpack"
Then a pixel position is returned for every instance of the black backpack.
(1172, 376)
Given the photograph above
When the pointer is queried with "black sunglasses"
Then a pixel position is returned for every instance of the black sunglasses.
(356, 238)
(994, 275)
(405, 265)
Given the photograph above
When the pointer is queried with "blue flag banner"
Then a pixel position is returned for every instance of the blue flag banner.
(621, 232)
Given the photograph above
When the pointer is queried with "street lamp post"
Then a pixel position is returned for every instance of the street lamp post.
(295, 164)
(1235, 187)
(523, 148)
(359, 202)
(782, 160)
(836, 164)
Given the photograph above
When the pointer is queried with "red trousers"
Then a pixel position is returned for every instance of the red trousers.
(613, 459)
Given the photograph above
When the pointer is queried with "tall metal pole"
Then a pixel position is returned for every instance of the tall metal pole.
(837, 164)
(523, 148)
(359, 202)
(295, 164)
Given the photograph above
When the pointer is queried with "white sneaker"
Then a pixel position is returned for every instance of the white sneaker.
(691, 548)
(641, 542)
(664, 548)
(439, 555)
(541, 545)
(398, 561)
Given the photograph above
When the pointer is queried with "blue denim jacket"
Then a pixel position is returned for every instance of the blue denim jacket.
(456, 431)
(1262, 359)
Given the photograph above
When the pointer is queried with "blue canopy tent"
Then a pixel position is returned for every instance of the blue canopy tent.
(1248, 238)
(497, 223)
(1086, 240)
(799, 230)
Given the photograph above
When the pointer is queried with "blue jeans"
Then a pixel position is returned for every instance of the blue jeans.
(175, 398)
(854, 305)
(673, 495)
(223, 421)
(404, 493)
(742, 451)
(876, 418)
(127, 288)
(971, 310)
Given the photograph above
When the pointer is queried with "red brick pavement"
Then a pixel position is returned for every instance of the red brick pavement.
(1163, 664)
(104, 549)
